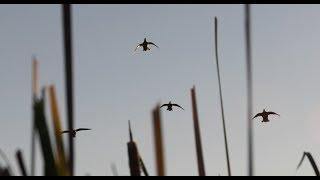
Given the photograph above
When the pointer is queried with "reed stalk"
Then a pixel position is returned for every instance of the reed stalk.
(134, 159)
(249, 89)
(143, 167)
(35, 90)
(158, 141)
(43, 132)
(67, 31)
(21, 163)
(221, 97)
(61, 158)
(201, 166)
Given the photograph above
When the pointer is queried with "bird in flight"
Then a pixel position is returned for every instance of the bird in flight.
(170, 106)
(265, 115)
(74, 132)
(145, 44)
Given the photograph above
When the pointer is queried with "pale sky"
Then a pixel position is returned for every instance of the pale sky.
(113, 85)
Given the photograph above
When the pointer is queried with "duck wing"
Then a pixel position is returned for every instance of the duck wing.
(273, 113)
(164, 105)
(259, 114)
(151, 43)
(82, 129)
(137, 47)
(177, 105)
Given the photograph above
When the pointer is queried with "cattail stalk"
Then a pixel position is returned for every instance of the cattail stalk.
(158, 140)
(134, 159)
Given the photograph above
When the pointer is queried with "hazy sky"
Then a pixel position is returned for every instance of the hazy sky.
(113, 85)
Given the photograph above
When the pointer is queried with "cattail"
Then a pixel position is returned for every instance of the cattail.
(134, 159)
(158, 141)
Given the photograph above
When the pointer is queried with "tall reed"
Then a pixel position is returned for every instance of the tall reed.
(43, 133)
(134, 159)
(249, 88)
(158, 141)
(201, 166)
(61, 160)
(136, 163)
(35, 90)
(67, 32)
(221, 97)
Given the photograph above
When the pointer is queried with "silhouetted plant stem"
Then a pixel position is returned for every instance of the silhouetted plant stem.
(21, 163)
(221, 98)
(6, 159)
(249, 88)
(35, 89)
(312, 161)
(67, 30)
(44, 136)
(201, 166)
(134, 159)
(158, 141)
(143, 167)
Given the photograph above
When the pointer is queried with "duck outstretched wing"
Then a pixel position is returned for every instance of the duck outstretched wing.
(164, 105)
(151, 43)
(273, 113)
(177, 105)
(82, 129)
(259, 114)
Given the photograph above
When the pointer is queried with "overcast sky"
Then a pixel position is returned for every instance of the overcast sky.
(113, 85)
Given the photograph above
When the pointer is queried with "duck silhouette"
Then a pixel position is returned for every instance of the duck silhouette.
(170, 106)
(74, 132)
(265, 115)
(145, 44)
